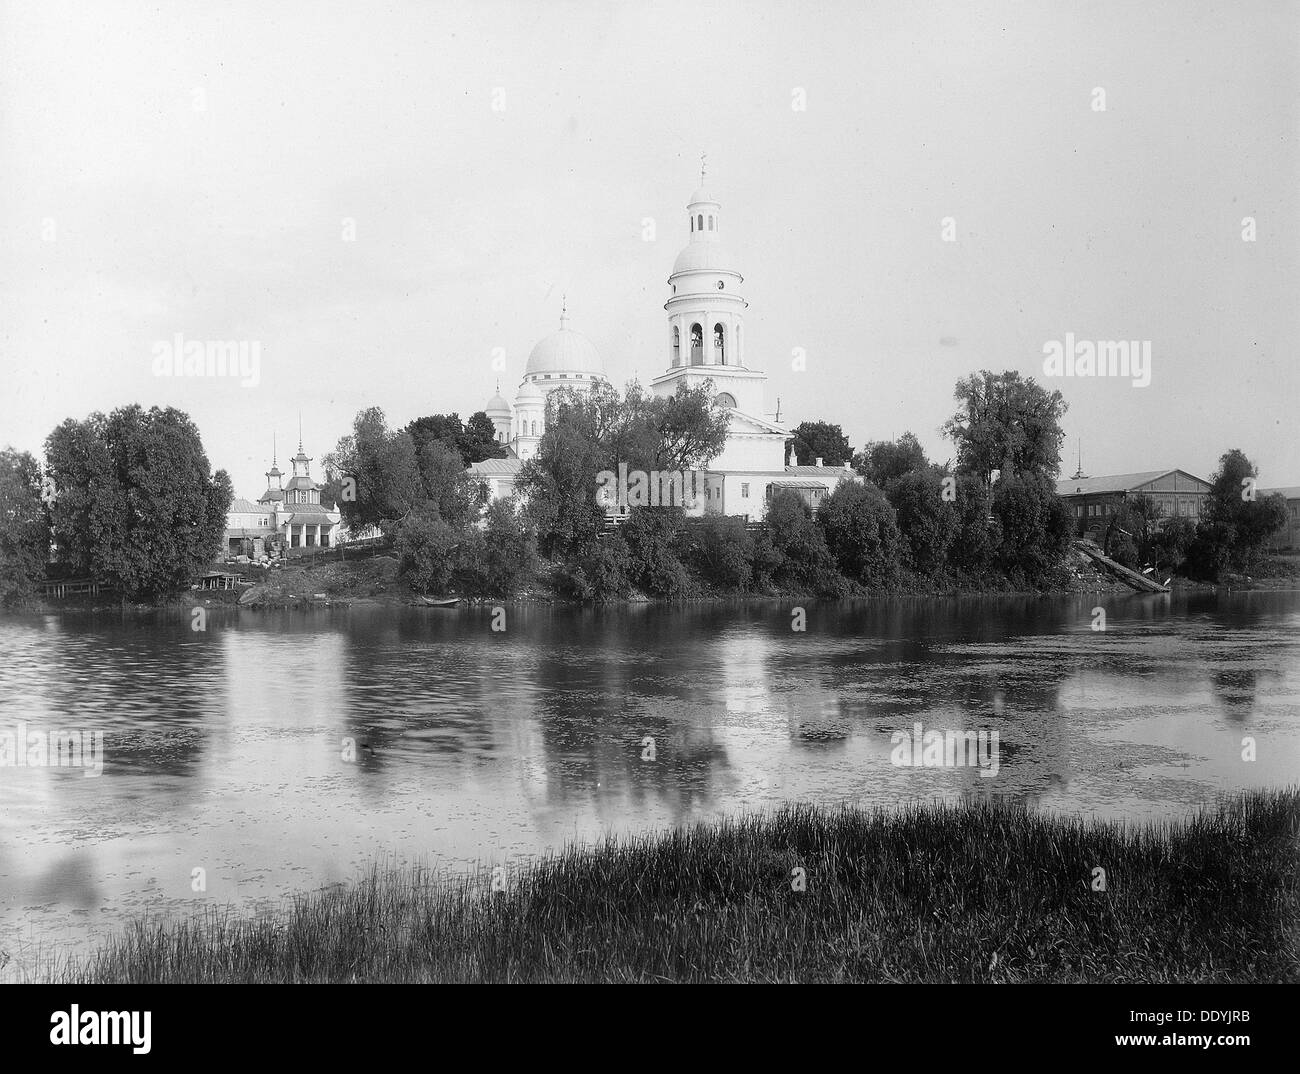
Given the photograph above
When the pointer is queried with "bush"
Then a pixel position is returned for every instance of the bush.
(796, 552)
(425, 547)
(651, 536)
(720, 550)
(861, 532)
(928, 524)
(600, 573)
(509, 551)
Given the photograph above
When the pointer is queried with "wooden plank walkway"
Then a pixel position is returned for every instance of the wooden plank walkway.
(1140, 582)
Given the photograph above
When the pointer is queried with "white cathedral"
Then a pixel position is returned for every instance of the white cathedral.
(706, 343)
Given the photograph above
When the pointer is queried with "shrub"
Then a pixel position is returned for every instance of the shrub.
(654, 567)
(861, 533)
(425, 546)
(799, 556)
(720, 549)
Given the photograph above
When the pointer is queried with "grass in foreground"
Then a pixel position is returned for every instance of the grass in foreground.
(979, 892)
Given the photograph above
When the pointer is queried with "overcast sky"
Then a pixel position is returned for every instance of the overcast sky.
(189, 167)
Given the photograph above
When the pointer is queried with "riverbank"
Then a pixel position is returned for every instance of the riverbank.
(376, 581)
(982, 892)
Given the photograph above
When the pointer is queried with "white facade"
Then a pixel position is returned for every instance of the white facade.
(564, 359)
(706, 342)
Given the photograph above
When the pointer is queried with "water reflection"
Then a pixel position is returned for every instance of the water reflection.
(277, 751)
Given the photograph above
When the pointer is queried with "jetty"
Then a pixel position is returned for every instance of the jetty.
(1131, 578)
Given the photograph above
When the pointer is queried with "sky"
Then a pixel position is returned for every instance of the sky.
(386, 196)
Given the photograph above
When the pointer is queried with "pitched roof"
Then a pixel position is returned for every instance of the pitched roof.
(309, 518)
(242, 506)
(1291, 492)
(495, 467)
(797, 483)
(1071, 486)
(821, 471)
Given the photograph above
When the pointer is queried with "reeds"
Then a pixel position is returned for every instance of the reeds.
(978, 892)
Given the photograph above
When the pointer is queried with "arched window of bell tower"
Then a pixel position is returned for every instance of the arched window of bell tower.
(720, 343)
(699, 223)
(710, 221)
(677, 345)
(697, 345)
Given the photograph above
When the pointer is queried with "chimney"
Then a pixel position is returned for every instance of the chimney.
(789, 455)
(847, 465)
(819, 460)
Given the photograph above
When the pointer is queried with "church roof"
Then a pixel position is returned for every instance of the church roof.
(301, 483)
(495, 467)
(496, 405)
(703, 257)
(271, 494)
(565, 351)
(702, 197)
(239, 505)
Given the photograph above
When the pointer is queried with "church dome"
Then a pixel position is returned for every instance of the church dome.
(703, 257)
(702, 197)
(528, 393)
(565, 351)
(497, 406)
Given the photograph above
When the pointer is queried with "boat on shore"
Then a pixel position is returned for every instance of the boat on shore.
(438, 602)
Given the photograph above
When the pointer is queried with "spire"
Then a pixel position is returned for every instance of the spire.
(702, 156)
(564, 311)
(273, 448)
(300, 432)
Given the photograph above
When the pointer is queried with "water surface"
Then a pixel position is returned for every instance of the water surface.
(227, 750)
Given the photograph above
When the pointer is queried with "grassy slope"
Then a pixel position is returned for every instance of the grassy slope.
(971, 893)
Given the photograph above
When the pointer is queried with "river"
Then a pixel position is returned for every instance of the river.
(281, 751)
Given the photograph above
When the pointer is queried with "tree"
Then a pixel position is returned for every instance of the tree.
(447, 485)
(1170, 543)
(135, 504)
(861, 532)
(793, 552)
(588, 432)
(473, 441)
(720, 549)
(384, 467)
(1006, 422)
(813, 440)
(883, 461)
(1129, 531)
(928, 520)
(1035, 525)
(979, 535)
(653, 565)
(479, 441)
(24, 527)
(1236, 524)
(426, 546)
(510, 554)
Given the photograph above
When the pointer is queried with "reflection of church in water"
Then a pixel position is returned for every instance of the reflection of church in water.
(706, 343)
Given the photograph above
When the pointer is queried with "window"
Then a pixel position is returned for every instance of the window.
(725, 399)
(534, 428)
(692, 225)
(744, 489)
(710, 221)
(697, 345)
(720, 343)
(677, 344)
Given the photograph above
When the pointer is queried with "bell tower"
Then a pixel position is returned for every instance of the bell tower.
(706, 315)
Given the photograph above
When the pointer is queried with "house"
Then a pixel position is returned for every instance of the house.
(1093, 501)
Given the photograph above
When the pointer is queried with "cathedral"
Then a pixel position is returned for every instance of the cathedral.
(706, 342)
